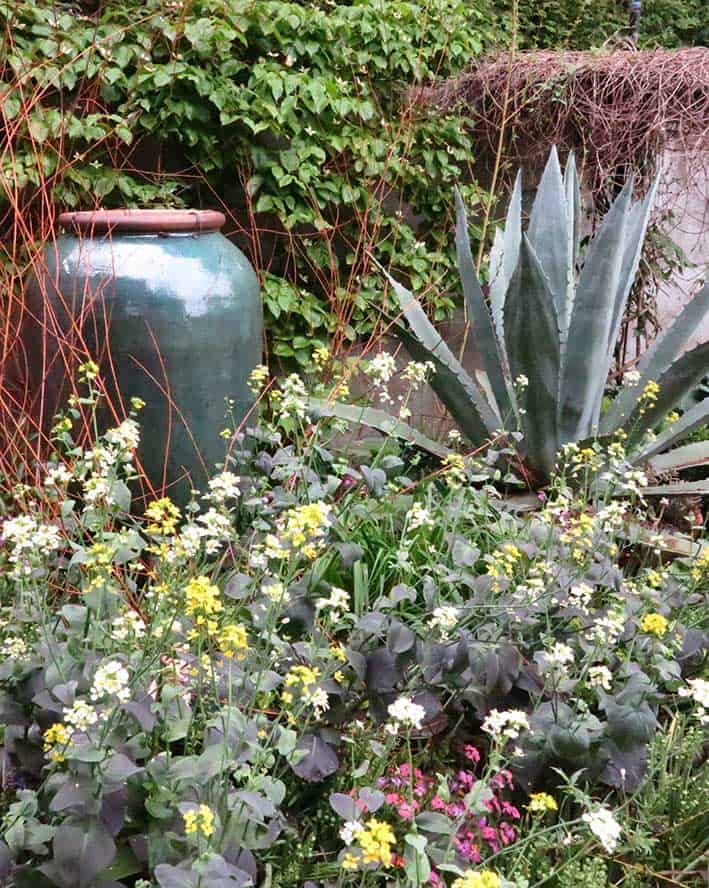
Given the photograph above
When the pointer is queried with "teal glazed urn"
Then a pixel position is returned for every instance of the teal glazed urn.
(172, 312)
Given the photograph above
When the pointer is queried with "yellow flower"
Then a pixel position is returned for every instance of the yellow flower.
(321, 356)
(376, 841)
(649, 396)
(137, 404)
(701, 565)
(202, 602)
(654, 579)
(338, 652)
(199, 821)
(163, 515)
(350, 862)
(258, 376)
(541, 801)
(233, 640)
(88, 370)
(482, 879)
(302, 675)
(455, 470)
(654, 624)
(56, 735)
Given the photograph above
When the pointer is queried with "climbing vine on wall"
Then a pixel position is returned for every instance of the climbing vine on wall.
(296, 118)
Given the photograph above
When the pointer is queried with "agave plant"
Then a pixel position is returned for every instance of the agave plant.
(551, 322)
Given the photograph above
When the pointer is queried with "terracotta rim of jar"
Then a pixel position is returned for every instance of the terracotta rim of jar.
(155, 221)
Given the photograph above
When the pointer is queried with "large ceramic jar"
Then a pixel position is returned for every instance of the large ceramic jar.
(172, 311)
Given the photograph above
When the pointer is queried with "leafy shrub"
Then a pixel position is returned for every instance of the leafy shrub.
(296, 117)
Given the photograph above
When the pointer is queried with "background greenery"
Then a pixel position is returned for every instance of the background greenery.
(296, 117)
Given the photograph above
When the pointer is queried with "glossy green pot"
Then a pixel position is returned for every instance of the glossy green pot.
(182, 311)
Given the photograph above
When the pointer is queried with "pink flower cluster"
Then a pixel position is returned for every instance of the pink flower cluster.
(411, 792)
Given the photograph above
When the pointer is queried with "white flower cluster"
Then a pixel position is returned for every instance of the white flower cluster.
(634, 481)
(128, 624)
(607, 630)
(380, 370)
(404, 713)
(338, 601)
(223, 487)
(555, 661)
(631, 378)
(13, 648)
(417, 372)
(417, 517)
(698, 690)
(317, 699)
(111, 679)
(294, 397)
(349, 831)
(580, 597)
(604, 826)
(58, 476)
(28, 540)
(600, 677)
(505, 725)
(126, 438)
(444, 618)
(81, 716)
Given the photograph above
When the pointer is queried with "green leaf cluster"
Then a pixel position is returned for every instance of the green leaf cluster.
(299, 118)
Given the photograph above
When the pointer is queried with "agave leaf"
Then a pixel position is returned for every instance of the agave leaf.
(496, 273)
(585, 359)
(676, 382)
(532, 336)
(685, 457)
(479, 314)
(463, 398)
(379, 420)
(548, 234)
(574, 209)
(504, 268)
(692, 419)
(451, 382)
(658, 358)
(638, 219)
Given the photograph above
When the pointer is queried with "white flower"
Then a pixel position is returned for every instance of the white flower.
(128, 624)
(275, 592)
(58, 476)
(404, 713)
(556, 660)
(444, 618)
(600, 677)
(506, 725)
(126, 437)
(215, 528)
(417, 517)
(294, 397)
(698, 690)
(604, 826)
(223, 487)
(339, 600)
(522, 381)
(111, 679)
(381, 368)
(417, 372)
(606, 630)
(14, 648)
(350, 830)
(455, 437)
(317, 698)
(97, 489)
(631, 378)
(580, 596)
(80, 716)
